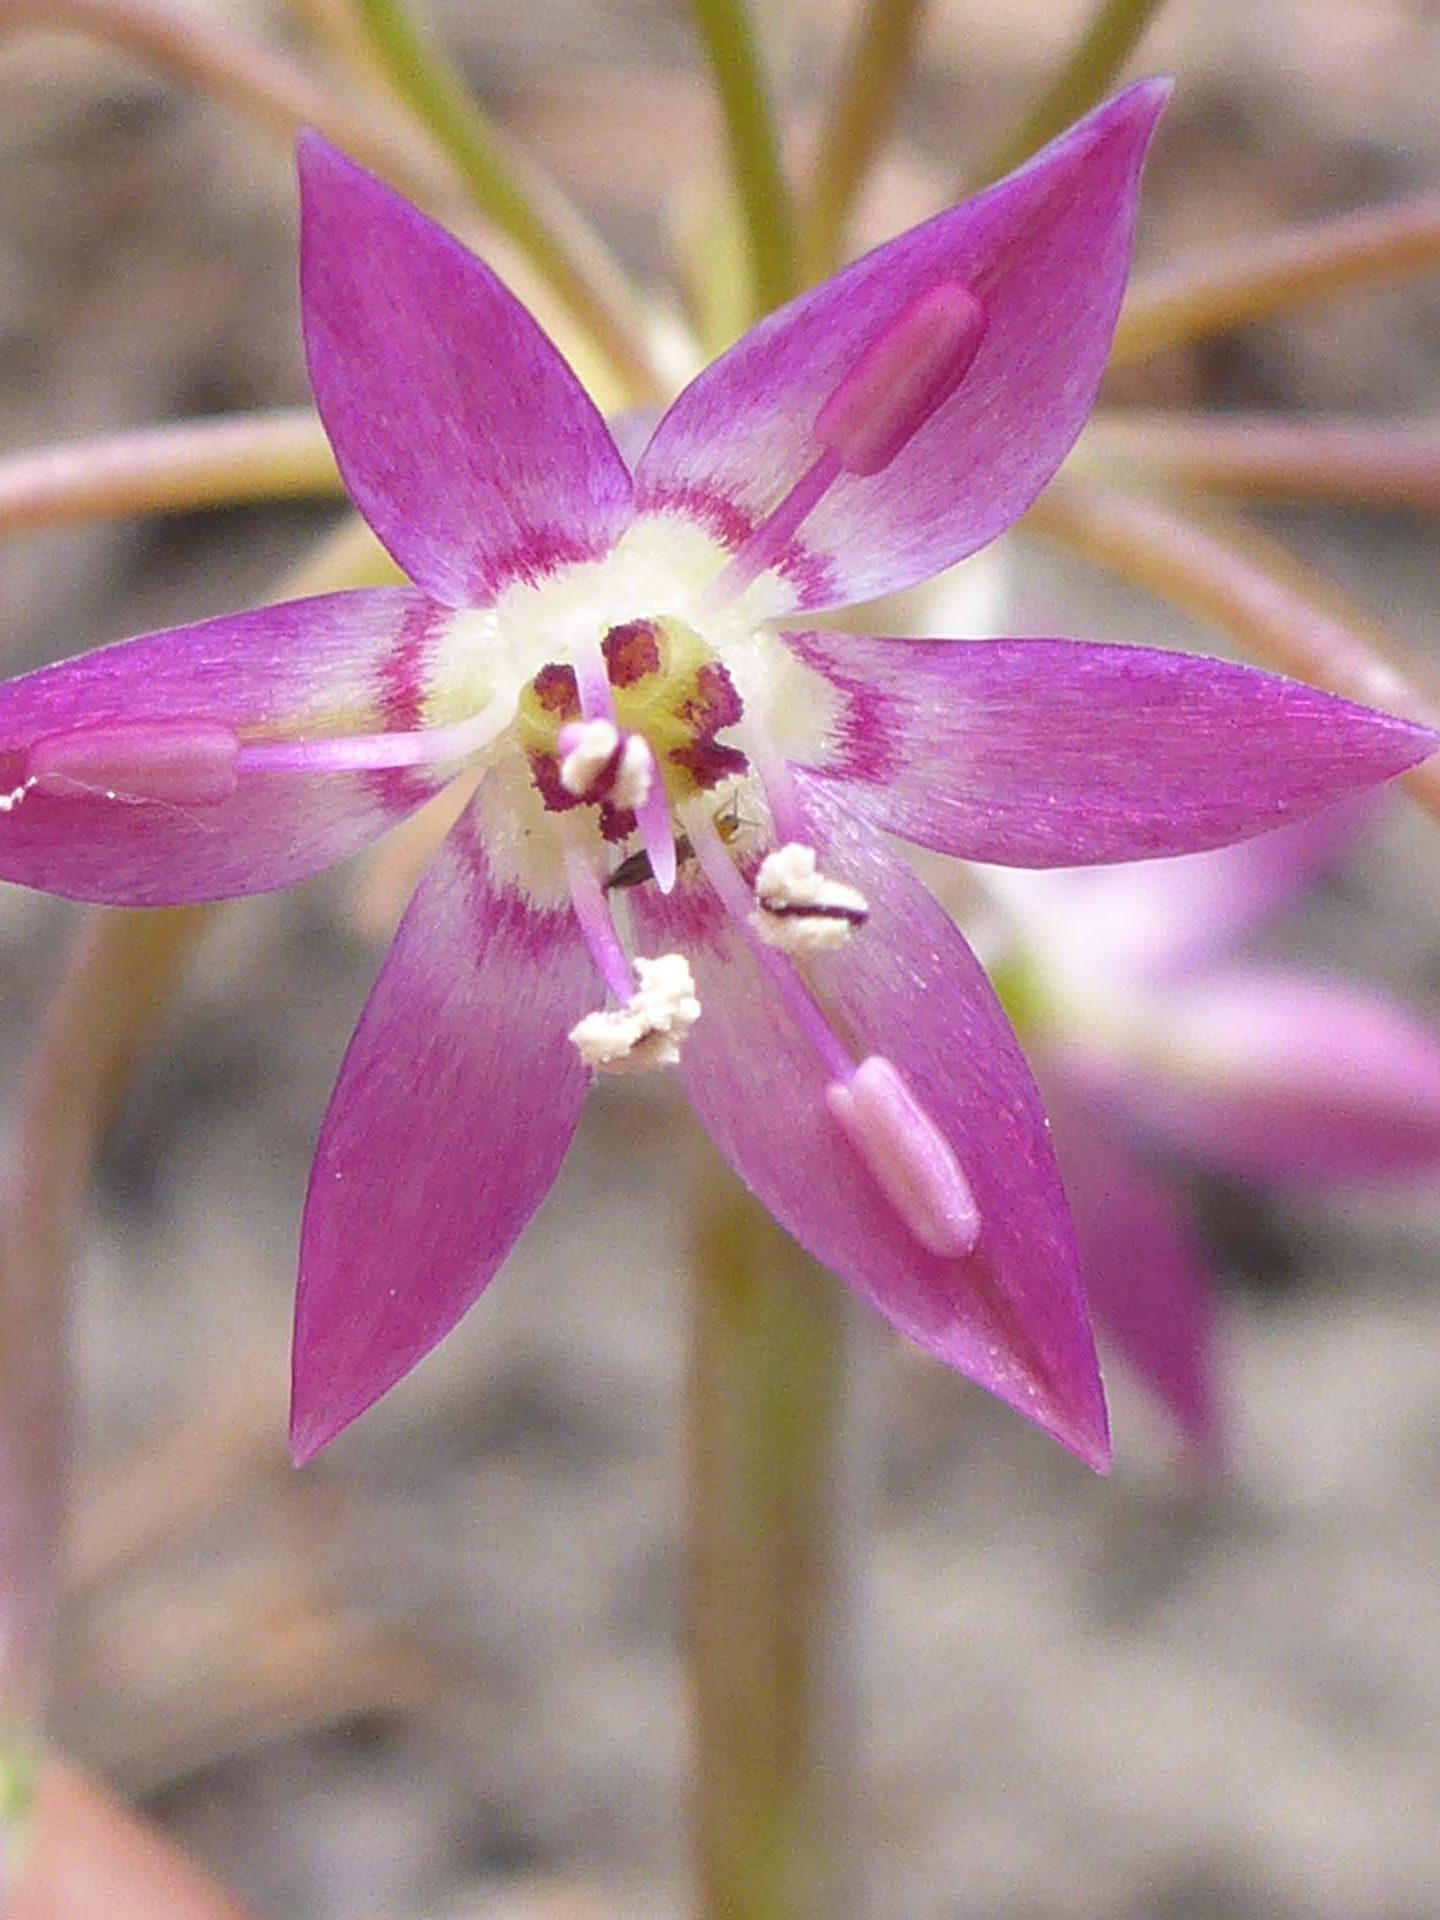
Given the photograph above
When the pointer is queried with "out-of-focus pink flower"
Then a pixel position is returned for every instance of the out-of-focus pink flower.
(1146, 1031)
(680, 778)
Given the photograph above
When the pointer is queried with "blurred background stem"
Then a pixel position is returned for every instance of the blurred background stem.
(237, 459)
(123, 970)
(772, 1498)
(530, 210)
(1270, 603)
(727, 34)
(121, 973)
(1394, 463)
(1272, 273)
(856, 124)
(1111, 36)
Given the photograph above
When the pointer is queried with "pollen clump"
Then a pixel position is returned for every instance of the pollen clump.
(647, 1031)
(798, 909)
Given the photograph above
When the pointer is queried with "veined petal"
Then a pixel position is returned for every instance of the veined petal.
(1284, 1077)
(462, 435)
(1143, 1265)
(1035, 753)
(341, 663)
(1011, 1315)
(1046, 251)
(456, 1103)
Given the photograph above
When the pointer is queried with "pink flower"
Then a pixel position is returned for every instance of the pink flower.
(1148, 1035)
(626, 664)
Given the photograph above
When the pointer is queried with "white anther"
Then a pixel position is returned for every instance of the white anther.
(9, 801)
(635, 774)
(589, 747)
(647, 1031)
(798, 910)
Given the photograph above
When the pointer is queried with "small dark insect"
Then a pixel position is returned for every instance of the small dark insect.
(635, 869)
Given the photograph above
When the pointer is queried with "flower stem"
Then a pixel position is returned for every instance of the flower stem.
(727, 33)
(867, 91)
(118, 980)
(1266, 457)
(281, 455)
(527, 208)
(1264, 598)
(1277, 271)
(771, 1566)
(1115, 29)
(124, 967)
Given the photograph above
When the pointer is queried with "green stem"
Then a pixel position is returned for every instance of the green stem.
(1114, 31)
(280, 455)
(727, 33)
(867, 91)
(527, 208)
(770, 1572)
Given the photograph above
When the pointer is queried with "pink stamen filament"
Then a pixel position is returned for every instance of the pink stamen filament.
(901, 380)
(785, 813)
(592, 910)
(364, 752)
(768, 541)
(197, 763)
(592, 677)
(657, 835)
(724, 876)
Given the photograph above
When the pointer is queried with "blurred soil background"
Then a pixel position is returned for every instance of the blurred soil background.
(438, 1674)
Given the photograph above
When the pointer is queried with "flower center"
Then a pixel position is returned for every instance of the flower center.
(656, 681)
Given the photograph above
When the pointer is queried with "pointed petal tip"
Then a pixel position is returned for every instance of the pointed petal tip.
(308, 1437)
(314, 1423)
(1081, 1427)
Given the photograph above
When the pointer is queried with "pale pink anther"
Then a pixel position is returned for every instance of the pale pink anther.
(902, 378)
(913, 1164)
(187, 763)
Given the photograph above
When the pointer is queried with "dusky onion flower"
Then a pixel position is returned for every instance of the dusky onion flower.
(673, 852)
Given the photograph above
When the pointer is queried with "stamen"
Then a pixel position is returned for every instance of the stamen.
(589, 749)
(902, 378)
(188, 763)
(647, 1030)
(366, 752)
(652, 816)
(592, 910)
(911, 1161)
(645, 1027)
(914, 1165)
(635, 777)
(899, 382)
(799, 910)
(720, 870)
